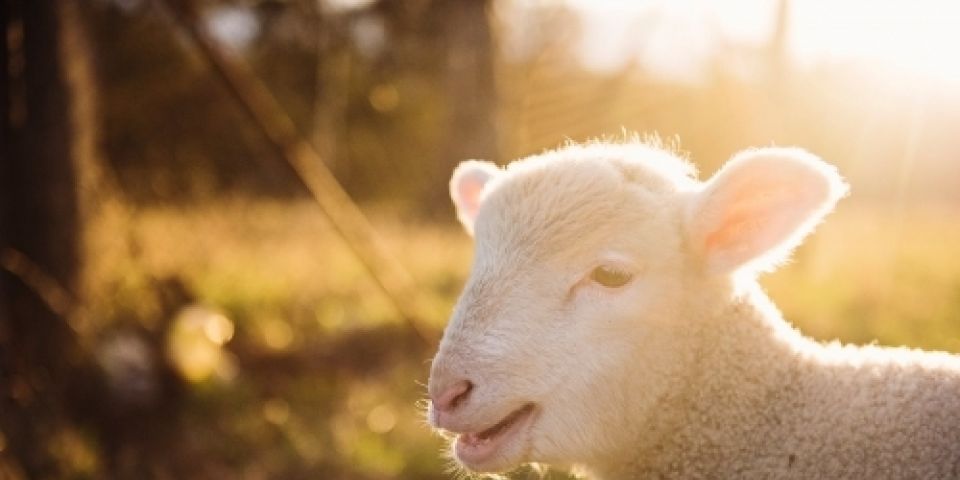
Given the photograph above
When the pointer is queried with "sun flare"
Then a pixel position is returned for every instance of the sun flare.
(918, 38)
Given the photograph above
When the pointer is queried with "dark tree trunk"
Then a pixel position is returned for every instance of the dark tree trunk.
(40, 221)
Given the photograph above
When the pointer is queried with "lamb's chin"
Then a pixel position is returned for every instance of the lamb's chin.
(500, 448)
(500, 462)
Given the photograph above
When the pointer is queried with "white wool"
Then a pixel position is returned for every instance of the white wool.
(687, 370)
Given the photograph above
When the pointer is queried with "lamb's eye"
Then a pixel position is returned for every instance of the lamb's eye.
(610, 277)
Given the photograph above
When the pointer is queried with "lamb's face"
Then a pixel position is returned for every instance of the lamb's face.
(575, 276)
(569, 329)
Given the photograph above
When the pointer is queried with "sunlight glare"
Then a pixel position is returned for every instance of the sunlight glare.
(676, 38)
(919, 36)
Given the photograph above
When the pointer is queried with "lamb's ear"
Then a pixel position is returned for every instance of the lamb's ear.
(759, 206)
(466, 189)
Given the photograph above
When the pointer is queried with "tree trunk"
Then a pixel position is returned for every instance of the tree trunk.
(39, 222)
(470, 93)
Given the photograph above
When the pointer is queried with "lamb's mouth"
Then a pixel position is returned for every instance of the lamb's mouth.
(474, 448)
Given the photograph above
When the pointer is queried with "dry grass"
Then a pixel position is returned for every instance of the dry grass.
(870, 274)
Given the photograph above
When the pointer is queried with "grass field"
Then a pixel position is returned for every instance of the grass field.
(290, 289)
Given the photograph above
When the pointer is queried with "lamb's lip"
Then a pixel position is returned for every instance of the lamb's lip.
(479, 446)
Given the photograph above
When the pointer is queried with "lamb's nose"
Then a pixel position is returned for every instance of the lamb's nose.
(454, 395)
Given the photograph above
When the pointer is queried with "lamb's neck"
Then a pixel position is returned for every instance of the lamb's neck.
(747, 335)
(745, 338)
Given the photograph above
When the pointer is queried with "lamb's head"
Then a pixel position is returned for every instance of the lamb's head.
(589, 259)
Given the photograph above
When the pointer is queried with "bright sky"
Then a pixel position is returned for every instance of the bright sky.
(674, 37)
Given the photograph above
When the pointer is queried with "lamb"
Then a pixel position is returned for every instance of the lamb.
(612, 323)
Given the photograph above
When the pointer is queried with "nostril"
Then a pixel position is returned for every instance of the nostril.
(453, 396)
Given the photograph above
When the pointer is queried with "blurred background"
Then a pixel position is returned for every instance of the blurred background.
(226, 247)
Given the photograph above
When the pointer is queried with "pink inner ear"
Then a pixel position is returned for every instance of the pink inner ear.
(733, 228)
(758, 219)
(470, 190)
(467, 187)
(760, 205)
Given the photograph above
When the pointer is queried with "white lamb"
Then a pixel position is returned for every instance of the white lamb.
(612, 323)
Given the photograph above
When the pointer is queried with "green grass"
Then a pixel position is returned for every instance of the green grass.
(290, 286)
(872, 275)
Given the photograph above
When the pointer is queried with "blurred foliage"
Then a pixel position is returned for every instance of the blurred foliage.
(362, 83)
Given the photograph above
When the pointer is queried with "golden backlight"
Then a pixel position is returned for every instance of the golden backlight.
(915, 37)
